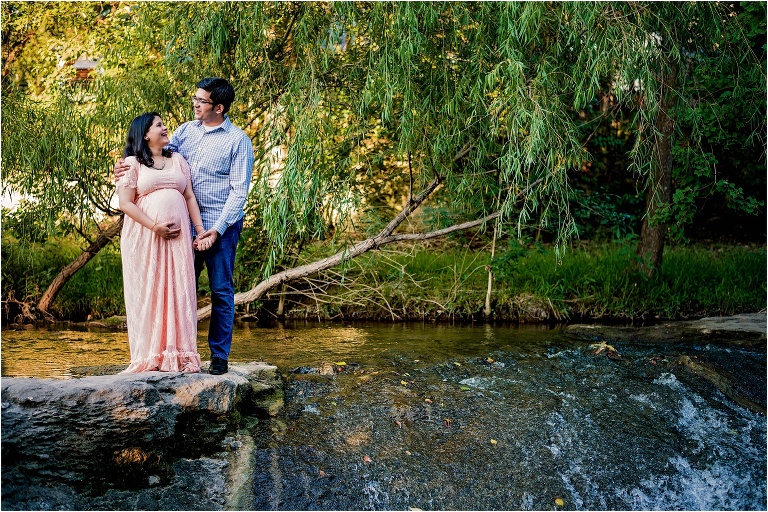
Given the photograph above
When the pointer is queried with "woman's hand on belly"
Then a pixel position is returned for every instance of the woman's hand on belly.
(167, 230)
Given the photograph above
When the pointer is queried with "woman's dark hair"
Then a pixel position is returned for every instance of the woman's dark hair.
(135, 145)
(222, 93)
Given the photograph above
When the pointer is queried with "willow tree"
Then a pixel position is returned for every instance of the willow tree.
(61, 133)
(473, 101)
(464, 105)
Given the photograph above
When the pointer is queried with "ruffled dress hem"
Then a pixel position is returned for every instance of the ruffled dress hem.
(188, 362)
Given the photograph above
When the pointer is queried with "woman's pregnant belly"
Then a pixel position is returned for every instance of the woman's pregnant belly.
(165, 205)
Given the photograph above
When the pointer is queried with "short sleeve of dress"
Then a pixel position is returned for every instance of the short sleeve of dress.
(131, 178)
(183, 165)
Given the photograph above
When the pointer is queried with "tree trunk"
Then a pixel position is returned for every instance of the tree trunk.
(653, 234)
(67, 272)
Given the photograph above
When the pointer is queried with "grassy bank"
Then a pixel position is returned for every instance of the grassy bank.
(444, 283)
(594, 282)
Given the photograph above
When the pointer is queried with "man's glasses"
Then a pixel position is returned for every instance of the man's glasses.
(195, 99)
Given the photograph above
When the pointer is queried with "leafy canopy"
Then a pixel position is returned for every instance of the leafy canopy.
(348, 102)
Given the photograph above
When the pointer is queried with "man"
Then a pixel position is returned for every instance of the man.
(220, 156)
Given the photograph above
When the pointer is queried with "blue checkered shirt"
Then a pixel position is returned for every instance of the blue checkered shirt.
(221, 162)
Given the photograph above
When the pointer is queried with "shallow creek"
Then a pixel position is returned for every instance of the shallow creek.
(472, 417)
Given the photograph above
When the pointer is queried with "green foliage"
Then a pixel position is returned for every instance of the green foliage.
(720, 156)
(351, 90)
(62, 135)
(601, 215)
(52, 155)
(596, 282)
(442, 282)
(28, 268)
(355, 107)
(41, 39)
(30, 222)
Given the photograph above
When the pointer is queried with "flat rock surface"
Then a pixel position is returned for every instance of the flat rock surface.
(144, 436)
(741, 378)
(750, 323)
(739, 330)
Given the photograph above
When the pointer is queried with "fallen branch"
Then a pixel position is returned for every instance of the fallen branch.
(383, 238)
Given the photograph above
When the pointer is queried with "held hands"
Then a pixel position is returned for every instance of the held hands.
(206, 240)
(166, 230)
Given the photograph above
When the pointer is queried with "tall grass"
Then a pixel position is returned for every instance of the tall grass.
(601, 282)
(444, 282)
(592, 282)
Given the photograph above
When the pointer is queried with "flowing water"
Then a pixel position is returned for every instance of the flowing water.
(493, 418)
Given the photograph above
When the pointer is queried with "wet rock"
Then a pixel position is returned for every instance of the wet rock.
(304, 370)
(734, 388)
(748, 323)
(118, 431)
(748, 330)
(740, 379)
(200, 484)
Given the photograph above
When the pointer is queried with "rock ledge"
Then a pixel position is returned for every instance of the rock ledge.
(123, 431)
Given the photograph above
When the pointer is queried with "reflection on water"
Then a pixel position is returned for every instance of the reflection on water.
(375, 344)
(56, 352)
(472, 417)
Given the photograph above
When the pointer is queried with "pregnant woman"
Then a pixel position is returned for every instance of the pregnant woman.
(156, 245)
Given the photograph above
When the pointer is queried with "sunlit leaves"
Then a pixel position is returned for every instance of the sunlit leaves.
(56, 157)
(354, 107)
(416, 83)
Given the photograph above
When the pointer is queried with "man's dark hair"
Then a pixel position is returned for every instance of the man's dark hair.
(135, 145)
(222, 93)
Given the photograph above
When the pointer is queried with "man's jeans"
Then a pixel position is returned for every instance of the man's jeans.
(220, 262)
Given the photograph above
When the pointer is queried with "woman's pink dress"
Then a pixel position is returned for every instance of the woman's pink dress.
(159, 274)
